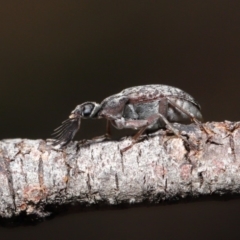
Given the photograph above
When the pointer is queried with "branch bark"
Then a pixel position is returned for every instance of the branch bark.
(34, 175)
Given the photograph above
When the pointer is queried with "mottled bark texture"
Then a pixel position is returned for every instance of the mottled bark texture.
(34, 175)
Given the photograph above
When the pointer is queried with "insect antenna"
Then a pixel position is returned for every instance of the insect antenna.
(63, 125)
(65, 133)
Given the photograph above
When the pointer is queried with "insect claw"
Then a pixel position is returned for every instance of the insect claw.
(125, 149)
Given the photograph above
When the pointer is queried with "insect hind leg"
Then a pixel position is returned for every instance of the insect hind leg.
(190, 115)
(174, 130)
(162, 109)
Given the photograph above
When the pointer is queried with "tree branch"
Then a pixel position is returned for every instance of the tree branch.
(34, 175)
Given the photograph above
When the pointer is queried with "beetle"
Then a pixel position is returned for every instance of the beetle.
(144, 108)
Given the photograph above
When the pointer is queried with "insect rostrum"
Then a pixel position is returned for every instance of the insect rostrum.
(147, 107)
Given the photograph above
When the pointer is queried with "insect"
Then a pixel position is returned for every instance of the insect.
(147, 107)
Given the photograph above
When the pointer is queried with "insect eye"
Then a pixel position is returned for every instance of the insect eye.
(87, 109)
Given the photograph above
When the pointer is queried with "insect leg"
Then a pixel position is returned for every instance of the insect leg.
(136, 124)
(106, 136)
(108, 129)
(190, 115)
(143, 124)
(176, 132)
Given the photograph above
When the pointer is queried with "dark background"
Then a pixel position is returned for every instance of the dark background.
(57, 54)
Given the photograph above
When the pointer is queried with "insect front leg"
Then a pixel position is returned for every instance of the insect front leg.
(107, 135)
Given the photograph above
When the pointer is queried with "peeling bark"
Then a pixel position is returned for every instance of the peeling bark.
(35, 175)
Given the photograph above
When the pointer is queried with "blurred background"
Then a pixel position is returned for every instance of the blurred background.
(57, 54)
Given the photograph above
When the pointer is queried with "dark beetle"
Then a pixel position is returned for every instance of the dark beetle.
(148, 107)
